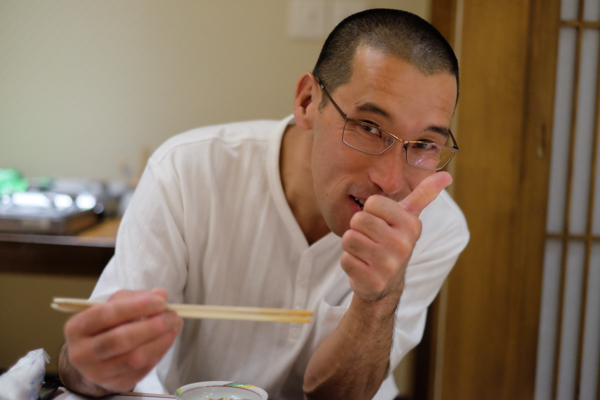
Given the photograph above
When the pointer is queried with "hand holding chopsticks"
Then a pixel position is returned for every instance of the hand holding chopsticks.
(203, 311)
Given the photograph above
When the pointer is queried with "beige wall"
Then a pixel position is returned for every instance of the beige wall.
(83, 84)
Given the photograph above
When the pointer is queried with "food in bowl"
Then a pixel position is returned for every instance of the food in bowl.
(221, 390)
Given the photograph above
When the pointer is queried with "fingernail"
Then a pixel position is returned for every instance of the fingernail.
(157, 304)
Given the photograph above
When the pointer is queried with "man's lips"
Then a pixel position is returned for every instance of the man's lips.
(360, 202)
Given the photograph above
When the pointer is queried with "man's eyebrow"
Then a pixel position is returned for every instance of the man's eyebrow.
(370, 107)
(439, 129)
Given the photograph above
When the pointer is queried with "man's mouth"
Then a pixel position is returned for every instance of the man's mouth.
(360, 202)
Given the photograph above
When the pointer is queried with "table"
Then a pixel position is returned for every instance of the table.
(85, 254)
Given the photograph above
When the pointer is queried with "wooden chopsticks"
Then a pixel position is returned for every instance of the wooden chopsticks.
(203, 311)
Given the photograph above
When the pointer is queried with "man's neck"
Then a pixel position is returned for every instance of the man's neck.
(297, 181)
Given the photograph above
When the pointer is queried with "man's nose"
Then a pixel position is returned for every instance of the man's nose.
(388, 170)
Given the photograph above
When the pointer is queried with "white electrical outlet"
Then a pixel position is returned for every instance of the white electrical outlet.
(306, 19)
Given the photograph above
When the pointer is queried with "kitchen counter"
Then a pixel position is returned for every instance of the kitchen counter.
(84, 254)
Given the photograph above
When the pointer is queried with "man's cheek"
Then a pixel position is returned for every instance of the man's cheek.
(413, 180)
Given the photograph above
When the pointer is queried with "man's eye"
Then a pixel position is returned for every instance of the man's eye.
(426, 145)
(370, 129)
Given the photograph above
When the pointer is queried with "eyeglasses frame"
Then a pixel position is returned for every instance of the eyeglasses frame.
(454, 148)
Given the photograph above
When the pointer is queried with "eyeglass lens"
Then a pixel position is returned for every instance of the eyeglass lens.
(373, 140)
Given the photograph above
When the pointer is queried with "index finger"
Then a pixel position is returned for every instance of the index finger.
(115, 312)
(426, 192)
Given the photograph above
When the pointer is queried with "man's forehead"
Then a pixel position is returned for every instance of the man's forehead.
(400, 98)
(373, 67)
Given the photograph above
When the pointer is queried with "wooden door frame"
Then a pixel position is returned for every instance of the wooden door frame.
(504, 126)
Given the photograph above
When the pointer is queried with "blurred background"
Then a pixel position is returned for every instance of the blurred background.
(85, 86)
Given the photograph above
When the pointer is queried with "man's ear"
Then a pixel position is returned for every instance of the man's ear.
(306, 101)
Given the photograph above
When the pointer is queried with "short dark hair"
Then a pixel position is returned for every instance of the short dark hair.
(394, 32)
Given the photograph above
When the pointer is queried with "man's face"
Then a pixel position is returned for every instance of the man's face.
(394, 95)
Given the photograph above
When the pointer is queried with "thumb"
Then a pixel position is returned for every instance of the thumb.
(426, 192)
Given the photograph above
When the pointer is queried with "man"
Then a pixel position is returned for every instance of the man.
(329, 211)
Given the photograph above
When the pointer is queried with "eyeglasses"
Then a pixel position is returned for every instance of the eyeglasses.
(371, 139)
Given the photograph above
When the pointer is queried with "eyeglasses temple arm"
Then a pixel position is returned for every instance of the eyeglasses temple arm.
(343, 114)
(453, 139)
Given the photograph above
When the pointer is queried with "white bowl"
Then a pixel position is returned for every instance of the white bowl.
(216, 390)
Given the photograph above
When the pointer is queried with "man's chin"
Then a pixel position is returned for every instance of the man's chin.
(338, 224)
(339, 229)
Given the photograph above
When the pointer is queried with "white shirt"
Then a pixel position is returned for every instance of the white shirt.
(209, 222)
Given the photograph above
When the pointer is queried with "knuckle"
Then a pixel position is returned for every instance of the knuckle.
(359, 217)
(372, 254)
(414, 226)
(404, 249)
(355, 220)
(111, 343)
(172, 335)
(390, 264)
(101, 347)
(418, 226)
(107, 314)
(344, 259)
(371, 202)
(137, 360)
(348, 239)
(346, 262)
(159, 324)
(362, 219)
(174, 323)
(119, 343)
